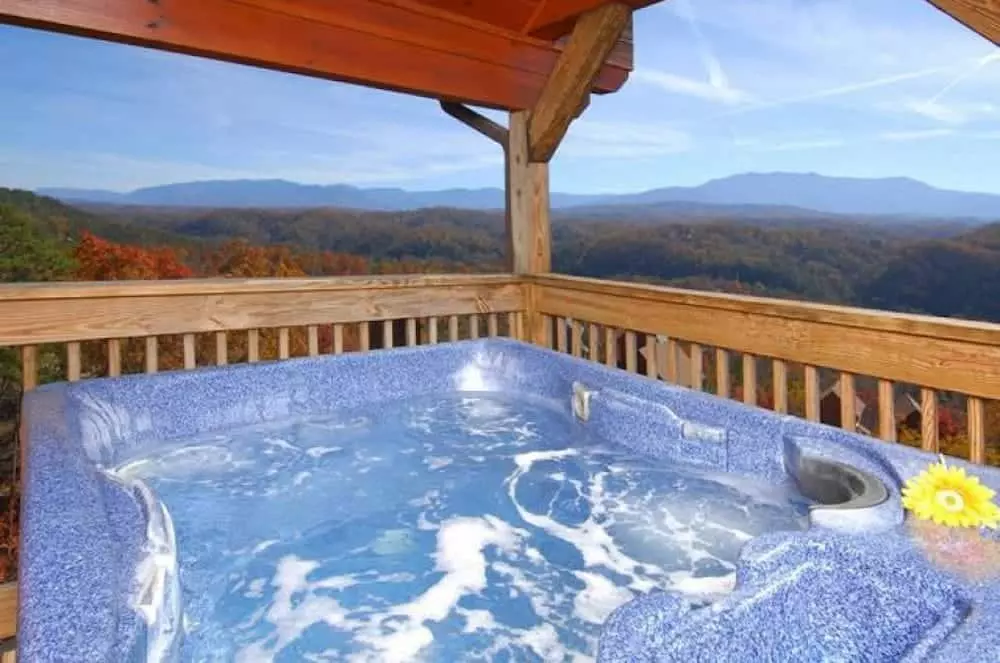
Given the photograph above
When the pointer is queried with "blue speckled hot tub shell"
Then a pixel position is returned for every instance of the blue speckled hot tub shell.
(848, 589)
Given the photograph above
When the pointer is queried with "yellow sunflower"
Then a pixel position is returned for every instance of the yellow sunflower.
(950, 497)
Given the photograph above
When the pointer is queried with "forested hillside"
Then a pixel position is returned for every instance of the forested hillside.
(941, 268)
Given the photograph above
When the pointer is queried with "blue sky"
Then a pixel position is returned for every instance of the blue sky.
(841, 87)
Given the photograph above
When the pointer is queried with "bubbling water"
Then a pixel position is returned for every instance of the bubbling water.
(444, 529)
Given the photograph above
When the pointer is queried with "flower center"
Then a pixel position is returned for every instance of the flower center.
(950, 500)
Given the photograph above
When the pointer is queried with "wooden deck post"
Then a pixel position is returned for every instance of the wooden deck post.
(529, 249)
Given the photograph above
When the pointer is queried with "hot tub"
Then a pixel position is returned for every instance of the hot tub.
(481, 499)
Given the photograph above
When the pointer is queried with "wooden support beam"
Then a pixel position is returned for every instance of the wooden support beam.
(982, 16)
(401, 45)
(528, 234)
(474, 120)
(571, 80)
(528, 231)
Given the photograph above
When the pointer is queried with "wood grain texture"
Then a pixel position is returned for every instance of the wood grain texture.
(848, 402)
(811, 377)
(528, 225)
(886, 411)
(73, 361)
(114, 357)
(696, 374)
(189, 352)
(8, 610)
(631, 361)
(432, 330)
(152, 354)
(779, 384)
(928, 420)
(477, 122)
(610, 346)
(397, 45)
(651, 363)
(135, 309)
(312, 334)
(574, 74)
(944, 354)
(749, 379)
(976, 424)
(221, 348)
(723, 380)
(981, 16)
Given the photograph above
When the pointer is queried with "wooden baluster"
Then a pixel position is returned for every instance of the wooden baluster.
(73, 361)
(432, 330)
(631, 362)
(561, 333)
(749, 379)
(411, 332)
(594, 342)
(673, 371)
(512, 328)
(697, 375)
(364, 337)
(651, 365)
(387, 338)
(29, 367)
(312, 331)
(492, 325)
(284, 349)
(779, 378)
(29, 380)
(610, 347)
(928, 420)
(547, 321)
(152, 354)
(886, 411)
(576, 342)
(189, 358)
(723, 380)
(811, 376)
(474, 326)
(221, 348)
(848, 399)
(977, 429)
(114, 357)
(338, 338)
(253, 345)
(452, 328)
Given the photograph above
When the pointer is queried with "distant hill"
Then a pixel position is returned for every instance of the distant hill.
(897, 196)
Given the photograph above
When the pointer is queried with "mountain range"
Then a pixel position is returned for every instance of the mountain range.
(760, 192)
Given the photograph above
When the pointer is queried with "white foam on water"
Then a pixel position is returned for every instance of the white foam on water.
(291, 618)
(460, 556)
(319, 452)
(599, 597)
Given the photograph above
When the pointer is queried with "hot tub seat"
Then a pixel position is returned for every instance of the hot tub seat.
(818, 596)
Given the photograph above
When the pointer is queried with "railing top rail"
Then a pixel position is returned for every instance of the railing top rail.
(972, 331)
(10, 292)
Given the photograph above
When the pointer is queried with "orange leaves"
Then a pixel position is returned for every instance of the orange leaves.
(100, 260)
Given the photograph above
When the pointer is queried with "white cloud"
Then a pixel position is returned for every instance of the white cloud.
(595, 139)
(954, 113)
(905, 136)
(717, 90)
(786, 145)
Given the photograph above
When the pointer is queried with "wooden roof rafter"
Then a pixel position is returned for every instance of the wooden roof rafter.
(981, 16)
(412, 46)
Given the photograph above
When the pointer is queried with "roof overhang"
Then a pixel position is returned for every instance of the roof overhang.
(494, 53)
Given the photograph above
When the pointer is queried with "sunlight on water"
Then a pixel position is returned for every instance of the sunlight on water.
(450, 529)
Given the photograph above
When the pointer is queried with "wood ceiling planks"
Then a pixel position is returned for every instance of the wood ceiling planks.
(393, 44)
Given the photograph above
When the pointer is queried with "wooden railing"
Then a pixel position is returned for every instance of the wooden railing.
(119, 327)
(747, 348)
(702, 339)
